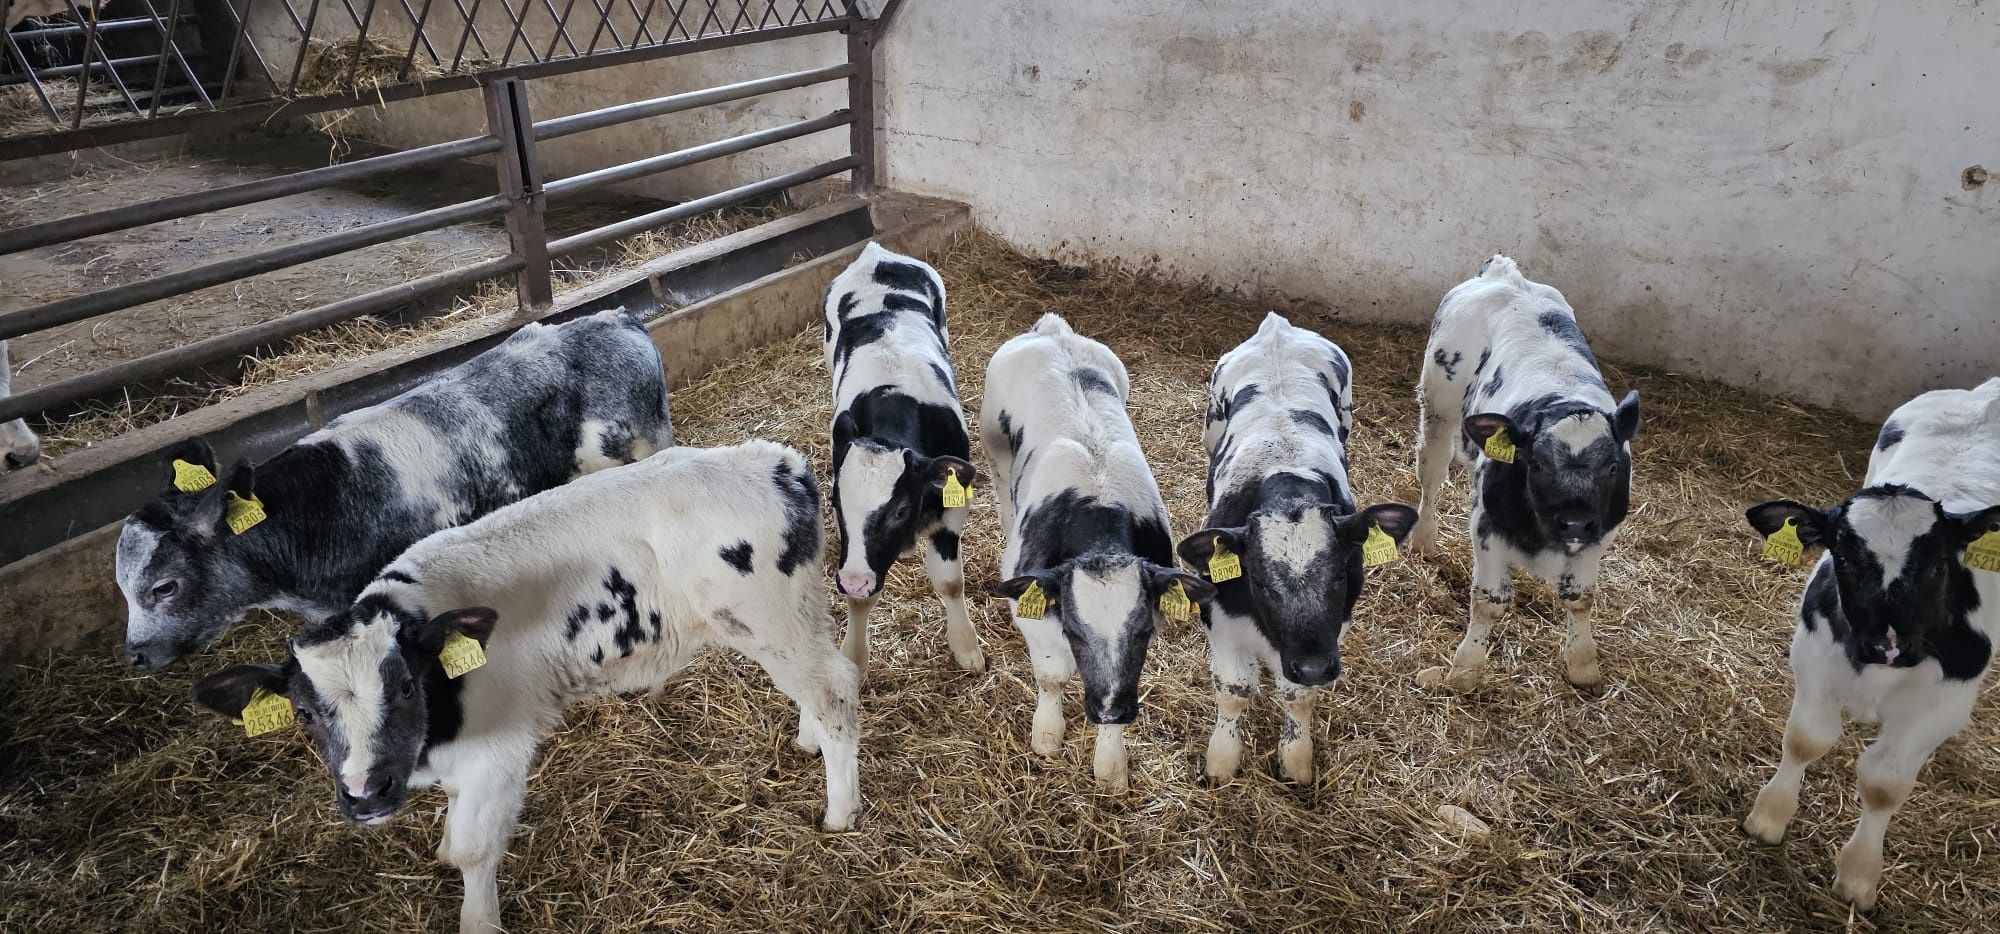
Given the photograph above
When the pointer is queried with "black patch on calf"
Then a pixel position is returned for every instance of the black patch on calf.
(1484, 356)
(738, 557)
(629, 633)
(944, 378)
(1093, 381)
(1563, 326)
(1522, 506)
(1243, 397)
(801, 499)
(1928, 607)
(887, 419)
(1448, 364)
(397, 576)
(1892, 435)
(910, 277)
(573, 624)
(1312, 420)
(945, 543)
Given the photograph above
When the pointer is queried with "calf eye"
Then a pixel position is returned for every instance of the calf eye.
(305, 715)
(409, 687)
(165, 589)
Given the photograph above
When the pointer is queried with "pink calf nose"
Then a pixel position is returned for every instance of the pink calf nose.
(857, 583)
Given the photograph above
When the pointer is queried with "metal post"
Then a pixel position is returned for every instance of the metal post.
(861, 101)
(521, 187)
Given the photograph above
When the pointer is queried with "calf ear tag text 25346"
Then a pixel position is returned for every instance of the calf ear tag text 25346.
(461, 654)
(1783, 546)
(265, 713)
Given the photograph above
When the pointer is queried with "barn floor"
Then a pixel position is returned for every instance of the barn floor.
(122, 807)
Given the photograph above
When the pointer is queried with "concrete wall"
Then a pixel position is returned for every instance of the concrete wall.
(1766, 193)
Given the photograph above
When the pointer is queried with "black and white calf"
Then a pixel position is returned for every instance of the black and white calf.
(546, 405)
(1510, 384)
(898, 439)
(1086, 529)
(18, 446)
(1896, 625)
(608, 584)
(1279, 412)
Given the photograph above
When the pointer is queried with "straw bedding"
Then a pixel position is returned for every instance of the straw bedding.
(122, 807)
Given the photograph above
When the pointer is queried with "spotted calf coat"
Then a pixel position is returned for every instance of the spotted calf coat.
(18, 445)
(898, 432)
(1506, 354)
(1085, 526)
(1280, 409)
(546, 405)
(1895, 627)
(608, 584)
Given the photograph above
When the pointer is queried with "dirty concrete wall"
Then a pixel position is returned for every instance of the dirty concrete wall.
(1766, 193)
(1770, 194)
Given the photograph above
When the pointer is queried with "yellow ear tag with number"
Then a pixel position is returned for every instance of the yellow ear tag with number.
(1984, 553)
(1224, 565)
(461, 654)
(244, 514)
(1379, 549)
(955, 494)
(191, 477)
(1499, 446)
(1174, 604)
(1783, 546)
(265, 713)
(1032, 603)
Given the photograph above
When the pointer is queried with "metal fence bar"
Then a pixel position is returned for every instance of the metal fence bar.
(84, 307)
(34, 82)
(170, 47)
(360, 41)
(167, 363)
(410, 60)
(861, 100)
(562, 28)
(125, 24)
(242, 38)
(693, 155)
(93, 47)
(520, 175)
(264, 189)
(305, 42)
(471, 32)
(699, 206)
(639, 110)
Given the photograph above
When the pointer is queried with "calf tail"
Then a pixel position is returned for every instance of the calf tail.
(1498, 266)
(1052, 325)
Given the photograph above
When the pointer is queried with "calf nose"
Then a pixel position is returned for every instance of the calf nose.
(19, 459)
(366, 799)
(1314, 670)
(857, 584)
(149, 656)
(1576, 528)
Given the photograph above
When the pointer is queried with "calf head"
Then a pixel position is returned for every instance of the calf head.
(18, 446)
(1109, 606)
(883, 495)
(1572, 465)
(361, 684)
(184, 579)
(1898, 566)
(1302, 571)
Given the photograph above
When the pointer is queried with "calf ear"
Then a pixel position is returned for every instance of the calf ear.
(1395, 519)
(1972, 526)
(194, 451)
(228, 691)
(1482, 426)
(845, 429)
(1196, 549)
(939, 470)
(427, 637)
(1158, 579)
(1014, 587)
(1768, 518)
(1625, 426)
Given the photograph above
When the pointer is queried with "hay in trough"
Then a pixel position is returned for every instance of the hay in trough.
(122, 807)
(333, 67)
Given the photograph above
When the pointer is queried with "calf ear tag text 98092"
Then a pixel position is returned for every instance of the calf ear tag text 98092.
(1224, 565)
(1379, 549)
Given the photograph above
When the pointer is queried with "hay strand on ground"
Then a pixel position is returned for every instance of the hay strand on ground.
(122, 807)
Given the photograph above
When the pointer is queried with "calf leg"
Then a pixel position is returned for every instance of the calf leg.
(855, 645)
(1812, 729)
(1236, 674)
(1492, 594)
(1109, 763)
(947, 576)
(1580, 643)
(1435, 438)
(1295, 736)
(1887, 771)
(1049, 654)
(826, 686)
(478, 822)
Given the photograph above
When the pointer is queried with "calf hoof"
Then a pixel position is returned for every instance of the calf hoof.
(974, 660)
(1422, 540)
(1114, 777)
(1459, 680)
(1047, 743)
(1221, 764)
(1297, 769)
(1856, 876)
(1859, 894)
(1771, 815)
(837, 823)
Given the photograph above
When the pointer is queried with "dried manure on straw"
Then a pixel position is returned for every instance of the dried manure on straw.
(122, 807)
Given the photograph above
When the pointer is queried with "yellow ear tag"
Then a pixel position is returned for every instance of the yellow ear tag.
(461, 654)
(1223, 565)
(955, 494)
(1500, 447)
(1783, 546)
(1174, 604)
(1379, 549)
(265, 713)
(1032, 603)
(191, 477)
(244, 514)
(1984, 553)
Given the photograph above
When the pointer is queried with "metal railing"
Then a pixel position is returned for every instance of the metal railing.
(521, 198)
(235, 61)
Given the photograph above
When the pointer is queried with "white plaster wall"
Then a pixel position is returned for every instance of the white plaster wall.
(1768, 193)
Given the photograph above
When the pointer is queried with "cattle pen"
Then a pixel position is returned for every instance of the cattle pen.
(1524, 804)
